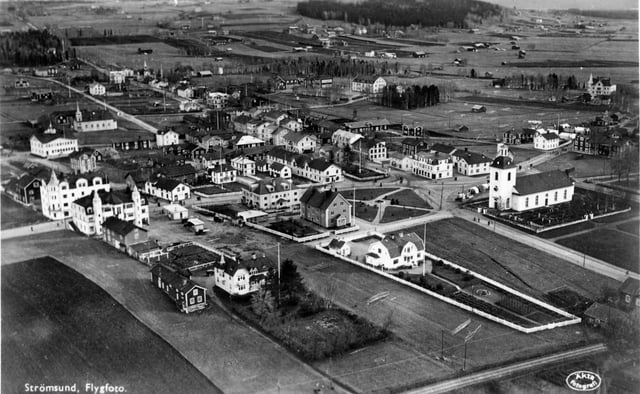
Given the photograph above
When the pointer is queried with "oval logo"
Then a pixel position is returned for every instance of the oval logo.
(583, 381)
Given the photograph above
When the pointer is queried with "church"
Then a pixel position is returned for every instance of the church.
(97, 120)
(508, 191)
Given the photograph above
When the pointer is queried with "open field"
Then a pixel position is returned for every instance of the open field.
(17, 215)
(408, 198)
(54, 332)
(366, 194)
(630, 227)
(393, 213)
(584, 165)
(366, 212)
(616, 247)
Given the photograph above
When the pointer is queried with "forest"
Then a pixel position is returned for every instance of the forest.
(410, 98)
(31, 48)
(443, 13)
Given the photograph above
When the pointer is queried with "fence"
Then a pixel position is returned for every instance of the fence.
(308, 238)
(573, 319)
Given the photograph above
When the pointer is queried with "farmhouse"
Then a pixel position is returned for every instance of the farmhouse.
(368, 84)
(471, 163)
(546, 141)
(299, 142)
(527, 192)
(25, 189)
(630, 293)
(272, 195)
(188, 296)
(395, 251)
(168, 189)
(57, 195)
(326, 208)
(244, 166)
(340, 247)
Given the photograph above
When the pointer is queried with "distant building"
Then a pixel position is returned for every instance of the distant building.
(52, 144)
(167, 137)
(478, 108)
(368, 84)
(299, 142)
(244, 165)
(630, 293)
(433, 165)
(25, 189)
(471, 163)
(97, 89)
(97, 120)
(373, 150)
(168, 189)
(122, 234)
(222, 173)
(326, 208)
(597, 87)
(367, 126)
(83, 161)
(546, 141)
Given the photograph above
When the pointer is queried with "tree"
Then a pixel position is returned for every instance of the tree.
(290, 280)
(263, 305)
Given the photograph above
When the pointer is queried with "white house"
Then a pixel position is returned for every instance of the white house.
(508, 191)
(373, 150)
(244, 165)
(545, 141)
(368, 84)
(433, 165)
(279, 170)
(167, 137)
(57, 195)
(298, 142)
(222, 173)
(97, 89)
(342, 138)
(175, 211)
(217, 100)
(242, 275)
(275, 116)
(168, 189)
(471, 163)
(600, 86)
(273, 195)
(395, 251)
(292, 124)
(52, 144)
(400, 161)
(185, 92)
(118, 77)
(90, 212)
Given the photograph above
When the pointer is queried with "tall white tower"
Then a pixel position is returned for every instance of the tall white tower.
(97, 212)
(502, 179)
(137, 206)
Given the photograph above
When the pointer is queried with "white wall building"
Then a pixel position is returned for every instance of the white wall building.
(273, 195)
(395, 251)
(168, 189)
(97, 89)
(167, 137)
(51, 144)
(368, 84)
(57, 195)
(433, 165)
(545, 140)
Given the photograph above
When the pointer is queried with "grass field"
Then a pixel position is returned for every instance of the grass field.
(408, 198)
(584, 165)
(630, 227)
(566, 230)
(14, 214)
(393, 214)
(366, 212)
(366, 194)
(615, 247)
(60, 328)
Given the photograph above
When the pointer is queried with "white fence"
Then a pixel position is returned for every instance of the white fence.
(308, 238)
(572, 319)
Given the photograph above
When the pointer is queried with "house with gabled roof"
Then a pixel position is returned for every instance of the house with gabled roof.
(372, 149)
(242, 275)
(433, 165)
(299, 142)
(279, 170)
(368, 84)
(244, 166)
(367, 126)
(25, 189)
(121, 233)
(400, 161)
(147, 252)
(326, 208)
(445, 149)
(167, 137)
(546, 140)
(187, 295)
(471, 163)
(630, 293)
(396, 250)
(600, 86)
(339, 247)
(90, 212)
(183, 173)
(83, 161)
(168, 189)
(411, 146)
(222, 173)
(53, 144)
(342, 138)
(275, 116)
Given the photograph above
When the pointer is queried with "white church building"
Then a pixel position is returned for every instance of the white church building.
(507, 190)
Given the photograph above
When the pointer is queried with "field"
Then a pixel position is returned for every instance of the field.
(583, 165)
(408, 198)
(366, 212)
(393, 213)
(365, 194)
(54, 332)
(616, 247)
(17, 215)
(630, 227)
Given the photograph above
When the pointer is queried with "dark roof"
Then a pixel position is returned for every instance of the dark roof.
(503, 162)
(604, 312)
(544, 181)
(174, 279)
(167, 184)
(319, 164)
(120, 226)
(336, 243)
(277, 166)
(395, 242)
(46, 138)
(146, 246)
(230, 266)
(472, 157)
(631, 286)
(25, 180)
(114, 197)
(221, 168)
(84, 151)
(90, 116)
(605, 81)
(443, 148)
(317, 198)
(366, 79)
(175, 171)
(550, 136)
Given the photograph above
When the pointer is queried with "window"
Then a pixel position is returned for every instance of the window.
(555, 196)
(496, 178)
(526, 202)
(509, 175)
(536, 203)
(565, 194)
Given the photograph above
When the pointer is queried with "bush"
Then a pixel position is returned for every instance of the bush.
(401, 274)
(439, 287)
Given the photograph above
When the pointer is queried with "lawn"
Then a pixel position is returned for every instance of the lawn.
(366, 194)
(611, 246)
(17, 215)
(366, 212)
(408, 198)
(294, 228)
(211, 190)
(393, 214)
(631, 227)
(60, 328)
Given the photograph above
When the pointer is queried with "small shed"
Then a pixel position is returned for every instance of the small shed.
(478, 108)
(195, 225)
(601, 314)
(176, 212)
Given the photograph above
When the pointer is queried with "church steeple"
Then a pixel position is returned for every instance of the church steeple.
(78, 113)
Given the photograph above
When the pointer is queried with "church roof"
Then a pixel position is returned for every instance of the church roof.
(503, 162)
(544, 181)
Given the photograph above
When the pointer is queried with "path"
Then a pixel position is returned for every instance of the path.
(598, 226)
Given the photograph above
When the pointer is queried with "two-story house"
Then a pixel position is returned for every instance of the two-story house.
(187, 296)
(222, 173)
(326, 208)
(242, 275)
(272, 195)
(167, 189)
(433, 165)
(395, 251)
(299, 142)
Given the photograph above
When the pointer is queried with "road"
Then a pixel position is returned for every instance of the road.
(508, 371)
(142, 124)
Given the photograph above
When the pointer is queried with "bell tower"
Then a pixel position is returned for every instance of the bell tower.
(502, 179)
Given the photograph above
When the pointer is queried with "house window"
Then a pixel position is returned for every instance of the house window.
(536, 203)
(555, 196)
(565, 194)
(199, 299)
(508, 176)
(496, 178)
(526, 202)
(191, 300)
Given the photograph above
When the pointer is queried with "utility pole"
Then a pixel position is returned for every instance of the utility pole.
(278, 273)
(441, 194)
(424, 242)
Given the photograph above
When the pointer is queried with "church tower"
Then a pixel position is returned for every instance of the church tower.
(502, 179)
(78, 113)
(97, 212)
(137, 206)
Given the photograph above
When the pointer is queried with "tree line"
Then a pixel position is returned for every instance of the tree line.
(30, 48)
(410, 98)
(551, 81)
(400, 12)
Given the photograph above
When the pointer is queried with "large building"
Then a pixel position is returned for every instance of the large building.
(508, 191)
(433, 165)
(57, 195)
(52, 144)
(368, 84)
(83, 161)
(272, 195)
(187, 296)
(326, 208)
(241, 275)
(96, 120)
(168, 189)
(600, 86)
(90, 212)
(546, 140)
(471, 163)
